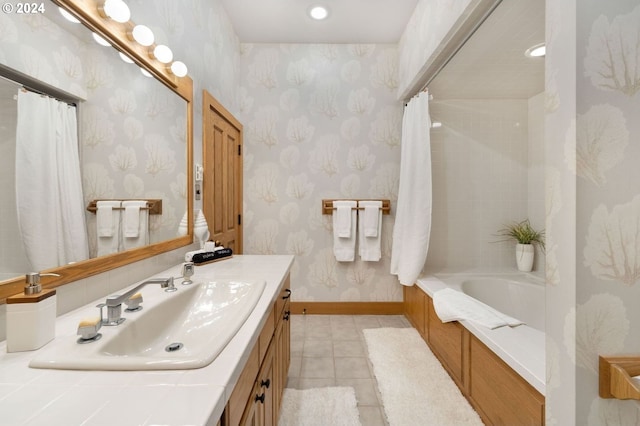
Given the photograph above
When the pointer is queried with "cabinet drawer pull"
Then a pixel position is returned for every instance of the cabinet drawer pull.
(288, 294)
(260, 398)
(286, 315)
(265, 383)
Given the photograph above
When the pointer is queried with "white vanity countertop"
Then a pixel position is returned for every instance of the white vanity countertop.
(31, 396)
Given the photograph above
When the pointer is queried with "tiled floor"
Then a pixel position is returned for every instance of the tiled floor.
(329, 350)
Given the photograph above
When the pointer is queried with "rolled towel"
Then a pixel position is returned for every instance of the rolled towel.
(199, 258)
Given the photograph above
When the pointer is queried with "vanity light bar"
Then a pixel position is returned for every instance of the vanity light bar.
(118, 11)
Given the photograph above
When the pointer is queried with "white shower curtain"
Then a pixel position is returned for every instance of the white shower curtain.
(413, 214)
(48, 182)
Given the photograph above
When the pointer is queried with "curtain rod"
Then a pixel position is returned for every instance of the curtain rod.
(26, 89)
(460, 45)
(35, 85)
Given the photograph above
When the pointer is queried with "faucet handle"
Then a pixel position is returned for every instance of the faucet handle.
(133, 303)
(169, 287)
(188, 269)
(88, 330)
(100, 306)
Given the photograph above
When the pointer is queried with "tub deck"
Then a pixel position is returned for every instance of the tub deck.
(522, 348)
(501, 372)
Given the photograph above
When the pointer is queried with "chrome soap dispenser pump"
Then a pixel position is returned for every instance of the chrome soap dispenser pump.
(31, 316)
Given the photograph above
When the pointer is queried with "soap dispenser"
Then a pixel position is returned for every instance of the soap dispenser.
(31, 316)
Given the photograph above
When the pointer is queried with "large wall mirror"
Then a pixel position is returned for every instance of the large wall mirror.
(134, 131)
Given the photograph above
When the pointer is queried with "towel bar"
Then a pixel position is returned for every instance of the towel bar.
(327, 205)
(616, 374)
(153, 205)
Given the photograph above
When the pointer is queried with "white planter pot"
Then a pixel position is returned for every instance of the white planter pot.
(524, 257)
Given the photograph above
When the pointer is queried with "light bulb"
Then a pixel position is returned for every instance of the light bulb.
(179, 69)
(100, 40)
(117, 10)
(145, 72)
(69, 17)
(125, 58)
(143, 35)
(163, 54)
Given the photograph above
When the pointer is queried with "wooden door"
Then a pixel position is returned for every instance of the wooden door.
(222, 180)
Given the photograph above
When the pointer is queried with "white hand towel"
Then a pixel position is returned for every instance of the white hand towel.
(370, 245)
(135, 223)
(108, 226)
(344, 248)
(131, 221)
(453, 305)
(372, 217)
(105, 217)
(342, 218)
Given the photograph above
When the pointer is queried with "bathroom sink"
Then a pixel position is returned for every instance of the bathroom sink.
(174, 331)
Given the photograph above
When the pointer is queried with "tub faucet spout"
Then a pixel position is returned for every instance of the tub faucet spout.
(114, 303)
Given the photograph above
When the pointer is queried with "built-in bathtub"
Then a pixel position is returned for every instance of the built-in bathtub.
(519, 295)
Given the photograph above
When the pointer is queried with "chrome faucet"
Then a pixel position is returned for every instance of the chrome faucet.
(114, 303)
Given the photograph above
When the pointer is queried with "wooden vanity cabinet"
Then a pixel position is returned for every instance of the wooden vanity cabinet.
(257, 397)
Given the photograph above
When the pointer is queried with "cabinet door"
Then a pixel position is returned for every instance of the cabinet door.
(243, 391)
(254, 412)
(282, 359)
(286, 343)
(262, 398)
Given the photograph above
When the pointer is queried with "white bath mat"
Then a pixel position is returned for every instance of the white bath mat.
(415, 388)
(334, 406)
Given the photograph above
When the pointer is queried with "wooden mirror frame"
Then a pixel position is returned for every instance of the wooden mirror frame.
(117, 34)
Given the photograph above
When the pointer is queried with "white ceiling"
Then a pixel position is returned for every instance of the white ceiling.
(492, 63)
(349, 21)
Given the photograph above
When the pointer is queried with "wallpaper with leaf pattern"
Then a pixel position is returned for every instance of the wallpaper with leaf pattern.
(593, 204)
(320, 121)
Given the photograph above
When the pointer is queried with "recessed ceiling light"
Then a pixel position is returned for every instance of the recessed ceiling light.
(319, 12)
(536, 51)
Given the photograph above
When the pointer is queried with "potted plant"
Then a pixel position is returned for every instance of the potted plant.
(526, 238)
